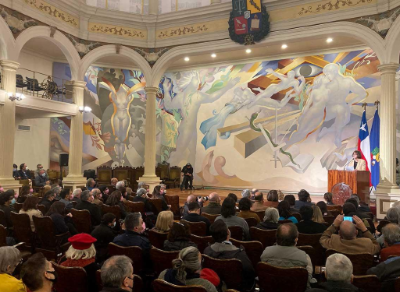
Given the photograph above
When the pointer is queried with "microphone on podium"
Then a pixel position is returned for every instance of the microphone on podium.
(347, 163)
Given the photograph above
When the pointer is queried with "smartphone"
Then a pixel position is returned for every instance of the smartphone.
(348, 218)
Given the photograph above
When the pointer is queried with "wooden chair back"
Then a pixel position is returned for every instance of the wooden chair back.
(3, 218)
(197, 228)
(163, 286)
(210, 217)
(397, 284)
(44, 229)
(266, 237)
(318, 255)
(42, 208)
(201, 241)
(162, 259)
(251, 222)
(132, 252)
(232, 276)
(279, 279)
(70, 279)
(157, 238)
(236, 232)
(82, 220)
(253, 249)
(173, 201)
(157, 203)
(329, 219)
(133, 207)
(3, 236)
(261, 215)
(368, 283)
(284, 221)
(116, 210)
(17, 207)
(361, 262)
(22, 228)
(104, 175)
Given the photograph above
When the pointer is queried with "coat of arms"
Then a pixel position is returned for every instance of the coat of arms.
(249, 21)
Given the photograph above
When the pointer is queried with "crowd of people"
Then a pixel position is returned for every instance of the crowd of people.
(285, 214)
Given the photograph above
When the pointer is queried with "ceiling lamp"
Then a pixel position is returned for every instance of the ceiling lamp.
(213, 55)
(284, 46)
(248, 51)
(329, 40)
(187, 59)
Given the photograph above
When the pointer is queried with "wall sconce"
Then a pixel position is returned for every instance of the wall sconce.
(85, 109)
(16, 96)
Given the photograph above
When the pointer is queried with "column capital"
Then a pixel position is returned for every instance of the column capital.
(388, 68)
(151, 90)
(9, 65)
(78, 84)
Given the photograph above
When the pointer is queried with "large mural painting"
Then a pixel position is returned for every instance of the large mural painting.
(269, 124)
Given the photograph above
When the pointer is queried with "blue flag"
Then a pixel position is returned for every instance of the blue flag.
(375, 155)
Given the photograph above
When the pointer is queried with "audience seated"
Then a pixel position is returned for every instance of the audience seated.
(324, 209)
(164, 221)
(66, 198)
(258, 204)
(25, 192)
(41, 179)
(38, 274)
(387, 272)
(23, 172)
(339, 274)
(158, 194)
(350, 209)
(190, 199)
(271, 219)
(214, 205)
(304, 200)
(285, 253)
(90, 184)
(104, 234)
(117, 274)
(38, 168)
(224, 249)
(97, 196)
(244, 207)
(253, 193)
(228, 215)
(10, 258)
(308, 226)
(194, 215)
(57, 190)
(292, 201)
(246, 193)
(129, 194)
(77, 195)
(186, 270)
(48, 200)
(94, 210)
(5, 202)
(141, 196)
(82, 254)
(114, 182)
(115, 199)
(328, 198)
(178, 237)
(29, 207)
(391, 236)
(346, 241)
(362, 207)
(285, 213)
(62, 223)
(272, 199)
(317, 214)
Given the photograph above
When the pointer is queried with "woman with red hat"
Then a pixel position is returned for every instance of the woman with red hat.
(82, 253)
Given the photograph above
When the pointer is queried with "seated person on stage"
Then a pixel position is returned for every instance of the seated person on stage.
(328, 197)
(214, 205)
(285, 253)
(391, 236)
(16, 172)
(271, 219)
(178, 237)
(224, 249)
(258, 204)
(23, 172)
(104, 233)
(94, 210)
(357, 163)
(194, 215)
(187, 176)
(117, 274)
(41, 179)
(307, 225)
(228, 215)
(346, 241)
(10, 257)
(190, 199)
(272, 199)
(339, 274)
(304, 200)
(285, 213)
(82, 254)
(38, 168)
(244, 207)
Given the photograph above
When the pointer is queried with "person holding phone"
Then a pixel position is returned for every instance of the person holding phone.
(357, 163)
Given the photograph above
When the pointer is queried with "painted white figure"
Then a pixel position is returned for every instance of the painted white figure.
(188, 101)
(264, 97)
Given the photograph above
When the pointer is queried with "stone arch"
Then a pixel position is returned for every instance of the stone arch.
(7, 42)
(393, 42)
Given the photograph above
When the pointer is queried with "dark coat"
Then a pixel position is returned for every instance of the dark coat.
(24, 175)
(7, 214)
(47, 204)
(40, 181)
(60, 226)
(193, 217)
(267, 225)
(333, 286)
(104, 235)
(310, 227)
(178, 245)
(212, 208)
(95, 212)
(387, 272)
(148, 207)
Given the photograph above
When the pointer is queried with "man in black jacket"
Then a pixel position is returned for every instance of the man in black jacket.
(224, 249)
(95, 212)
(23, 172)
(104, 234)
(187, 177)
(387, 272)
(308, 226)
(194, 215)
(48, 200)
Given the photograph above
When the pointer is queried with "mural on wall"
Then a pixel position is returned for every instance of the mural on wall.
(265, 124)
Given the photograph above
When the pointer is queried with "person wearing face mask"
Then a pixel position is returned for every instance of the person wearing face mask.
(10, 257)
(117, 274)
(38, 274)
(104, 233)
(41, 179)
(23, 172)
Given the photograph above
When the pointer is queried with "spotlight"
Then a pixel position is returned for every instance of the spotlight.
(329, 40)
(16, 96)
(213, 55)
(187, 59)
(248, 51)
(284, 46)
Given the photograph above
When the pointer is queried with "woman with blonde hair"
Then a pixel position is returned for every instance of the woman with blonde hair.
(164, 222)
(317, 215)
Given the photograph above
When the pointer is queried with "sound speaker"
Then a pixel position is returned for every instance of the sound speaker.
(64, 159)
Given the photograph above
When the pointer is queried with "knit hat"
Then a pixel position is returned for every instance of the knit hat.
(82, 241)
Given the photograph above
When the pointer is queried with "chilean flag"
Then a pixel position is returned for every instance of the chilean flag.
(363, 141)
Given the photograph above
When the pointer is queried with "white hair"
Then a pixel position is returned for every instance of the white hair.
(77, 191)
(271, 215)
(77, 254)
(9, 256)
(246, 193)
(120, 184)
(339, 268)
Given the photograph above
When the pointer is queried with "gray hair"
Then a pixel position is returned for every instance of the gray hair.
(9, 256)
(141, 184)
(339, 268)
(188, 260)
(246, 193)
(391, 233)
(271, 215)
(140, 192)
(89, 181)
(132, 220)
(85, 195)
(120, 184)
(77, 191)
(393, 215)
(115, 270)
(95, 192)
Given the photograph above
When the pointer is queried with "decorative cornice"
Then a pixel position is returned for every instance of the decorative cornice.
(330, 5)
(121, 31)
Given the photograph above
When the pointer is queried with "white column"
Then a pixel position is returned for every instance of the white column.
(149, 176)
(153, 7)
(75, 177)
(7, 126)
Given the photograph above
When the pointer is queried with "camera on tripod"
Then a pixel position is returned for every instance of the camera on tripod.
(202, 198)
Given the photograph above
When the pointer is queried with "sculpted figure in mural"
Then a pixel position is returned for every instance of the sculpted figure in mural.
(188, 101)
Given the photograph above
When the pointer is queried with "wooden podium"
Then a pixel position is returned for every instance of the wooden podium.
(357, 180)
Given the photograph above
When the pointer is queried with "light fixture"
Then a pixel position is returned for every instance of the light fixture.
(85, 109)
(187, 59)
(248, 51)
(213, 55)
(17, 96)
(329, 40)
(284, 46)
